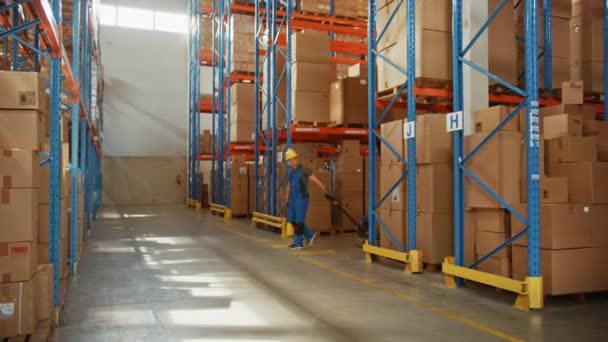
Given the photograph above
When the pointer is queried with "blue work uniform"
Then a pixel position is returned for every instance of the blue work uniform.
(298, 204)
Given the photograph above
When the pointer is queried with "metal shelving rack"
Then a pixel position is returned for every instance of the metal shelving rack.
(194, 100)
(37, 34)
(410, 255)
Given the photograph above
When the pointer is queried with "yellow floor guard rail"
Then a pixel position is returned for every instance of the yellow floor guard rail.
(412, 260)
(529, 292)
(272, 221)
(193, 203)
(220, 209)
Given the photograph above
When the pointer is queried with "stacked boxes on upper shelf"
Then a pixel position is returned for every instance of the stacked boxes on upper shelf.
(311, 76)
(242, 112)
(314, 6)
(24, 108)
(433, 42)
(350, 8)
(587, 44)
(348, 101)
(349, 183)
(242, 29)
(502, 58)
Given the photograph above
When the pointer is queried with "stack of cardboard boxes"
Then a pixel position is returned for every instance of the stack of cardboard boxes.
(587, 44)
(206, 145)
(311, 76)
(349, 183)
(497, 165)
(350, 8)
(314, 6)
(242, 112)
(502, 57)
(358, 52)
(23, 109)
(239, 186)
(433, 42)
(435, 188)
(348, 101)
(319, 215)
(242, 29)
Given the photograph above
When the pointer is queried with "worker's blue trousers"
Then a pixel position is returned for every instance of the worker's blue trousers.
(296, 214)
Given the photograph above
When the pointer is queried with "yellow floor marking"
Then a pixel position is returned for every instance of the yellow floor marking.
(282, 245)
(412, 300)
(314, 252)
(395, 293)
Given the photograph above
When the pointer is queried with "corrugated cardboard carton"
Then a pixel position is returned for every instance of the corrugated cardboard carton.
(243, 94)
(497, 165)
(19, 169)
(492, 220)
(486, 120)
(310, 46)
(488, 241)
(435, 236)
(600, 279)
(587, 181)
(348, 101)
(311, 76)
(44, 292)
(433, 143)
(562, 125)
(392, 132)
(498, 266)
(469, 236)
(64, 253)
(23, 129)
(19, 213)
(18, 316)
(23, 90)
(570, 150)
(318, 216)
(435, 188)
(591, 73)
(562, 226)
(596, 128)
(586, 36)
(396, 222)
(552, 190)
(358, 70)
(239, 187)
(564, 271)
(310, 106)
(599, 229)
(18, 261)
(574, 109)
(389, 176)
(572, 92)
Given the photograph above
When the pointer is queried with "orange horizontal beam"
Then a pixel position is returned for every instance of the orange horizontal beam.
(346, 60)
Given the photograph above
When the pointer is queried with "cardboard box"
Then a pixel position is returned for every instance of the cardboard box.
(564, 271)
(572, 92)
(19, 169)
(392, 132)
(435, 236)
(352, 202)
(488, 241)
(18, 316)
(239, 188)
(19, 213)
(502, 58)
(469, 236)
(587, 181)
(435, 188)
(311, 76)
(314, 192)
(358, 70)
(310, 46)
(599, 229)
(23, 90)
(18, 261)
(600, 279)
(64, 253)
(586, 36)
(389, 175)
(570, 150)
(562, 125)
(349, 160)
(492, 220)
(21, 129)
(315, 6)
(349, 182)
(243, 94)
(562, 226)
(591, 73)
(318, 216)
(574, 109)
(486, 120)
(396, 222)
(497, 165)
(602, 152)
(433, 143)
(43, 221)
(348, 101)
(242, 131)
(497, 266)
(581, 6)
(310, 106)
(43, 284)
(596, 128)
(552, 190)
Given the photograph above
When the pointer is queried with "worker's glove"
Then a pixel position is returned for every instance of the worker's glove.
(329, 197)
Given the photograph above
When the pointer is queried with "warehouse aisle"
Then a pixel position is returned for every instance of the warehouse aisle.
(169, 274)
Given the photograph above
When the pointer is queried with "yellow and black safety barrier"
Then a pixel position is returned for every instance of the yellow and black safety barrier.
(218, 209)
(193, 204)
(529, 292)
(412, 259)
(261, 219)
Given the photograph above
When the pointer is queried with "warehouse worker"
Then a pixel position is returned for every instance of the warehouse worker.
(297, 199)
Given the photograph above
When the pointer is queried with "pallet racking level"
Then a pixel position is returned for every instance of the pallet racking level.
(31, 34)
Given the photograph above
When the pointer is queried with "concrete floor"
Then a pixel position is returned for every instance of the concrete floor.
(170, 274)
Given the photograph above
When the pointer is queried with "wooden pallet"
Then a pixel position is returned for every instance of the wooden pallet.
(421, 82)
(313, 123)
(350, 125)
(41, 334)
(588, 96)
(500, 89)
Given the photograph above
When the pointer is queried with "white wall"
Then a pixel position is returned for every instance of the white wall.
(146, 94)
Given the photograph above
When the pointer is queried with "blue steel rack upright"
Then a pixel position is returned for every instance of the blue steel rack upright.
(194, 100)
(530, 291)
(412, 257)
(44, 18)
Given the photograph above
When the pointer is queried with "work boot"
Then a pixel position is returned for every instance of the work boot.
(294, 246)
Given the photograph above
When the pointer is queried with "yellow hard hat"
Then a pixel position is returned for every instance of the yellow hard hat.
(290, 154)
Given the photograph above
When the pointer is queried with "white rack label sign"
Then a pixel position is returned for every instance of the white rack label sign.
(7, 310)
(454, 122)
(534, 131)
(396, 196)
(409, 129)
(280, 157)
